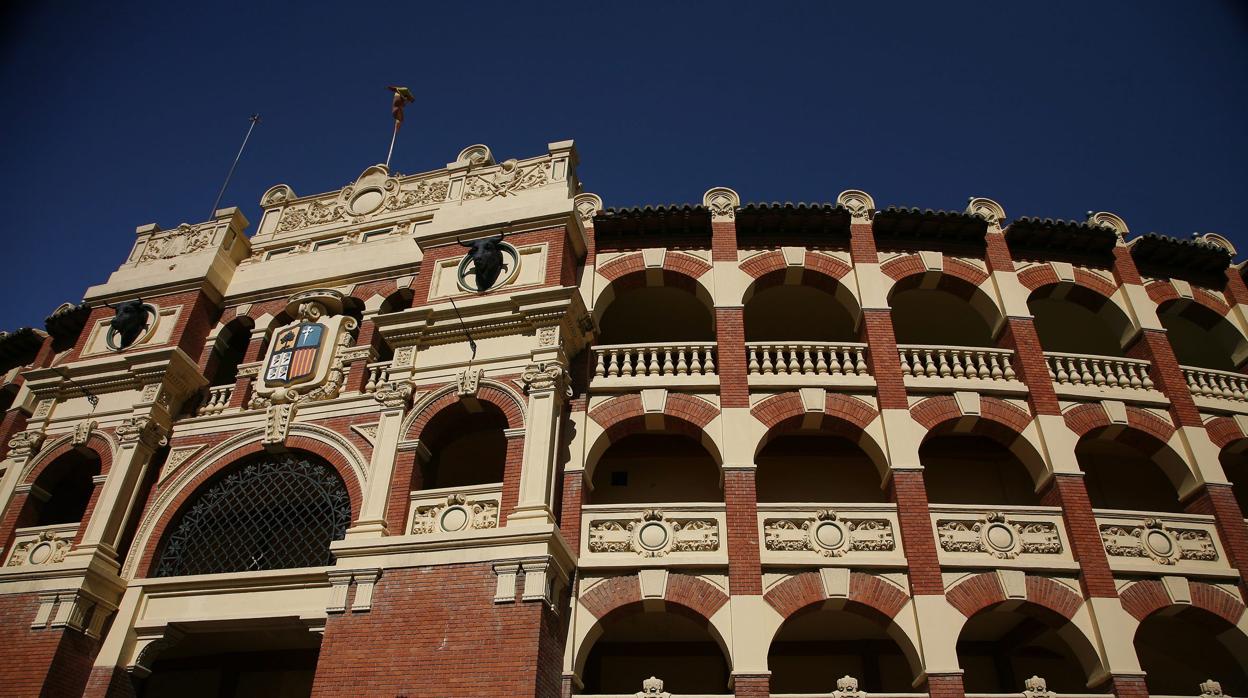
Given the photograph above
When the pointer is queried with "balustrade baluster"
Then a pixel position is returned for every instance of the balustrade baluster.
(695, 361)
(754, 368)
(768, 368)
(709, 363)
(860, 361)
(808, 366)
(821, 360)
(600, 368)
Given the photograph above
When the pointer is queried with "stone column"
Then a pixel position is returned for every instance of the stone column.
(394, 398)
(546, 382)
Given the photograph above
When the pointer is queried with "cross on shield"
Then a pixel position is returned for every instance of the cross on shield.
(295, 350)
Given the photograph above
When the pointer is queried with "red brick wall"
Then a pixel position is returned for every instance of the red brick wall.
(751, 685)
(914, 516)
(1219, 500)
(437, 631)
(741, 500)
(945, 686)
(1071, 494)
(734, 389)
(109, 682)
(43, 662)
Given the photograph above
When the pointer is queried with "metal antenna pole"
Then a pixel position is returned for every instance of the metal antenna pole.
(255, 119)
(393, 137)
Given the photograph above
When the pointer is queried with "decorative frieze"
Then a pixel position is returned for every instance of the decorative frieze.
(998, 535)
(654, 535)
(183, 240)
(1155, 540)
(456, 513)
(44, 546)
(828, 534)
(510, 178)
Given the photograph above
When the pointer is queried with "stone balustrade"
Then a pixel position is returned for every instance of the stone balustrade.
(671, 363)
(807, 363)
(1217, 389)
(217, 400)
(1162, 543)
(454, 509)
(378, 374)
(626, 535)
(34, 546)
(861, 535)
(1085, 374)
(990, 535)
(948, 366)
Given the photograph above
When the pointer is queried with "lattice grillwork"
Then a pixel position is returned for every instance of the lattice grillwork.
(277, 512)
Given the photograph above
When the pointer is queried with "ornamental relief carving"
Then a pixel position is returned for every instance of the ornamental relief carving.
(999, 536)
(25, 444)
(370, 200)
(47, 548)
(828, 534)
(457, 513)
(653, 535)
(1162, 544)
(510, 179)
(182, 240)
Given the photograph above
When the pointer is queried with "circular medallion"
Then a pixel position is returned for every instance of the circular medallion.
(40, 553)
(1159, 543)
(366, 201)
(454, 519)
(653, 536)
(999, 537)
(829, 535)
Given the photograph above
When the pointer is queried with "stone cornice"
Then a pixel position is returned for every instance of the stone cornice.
(117, 372)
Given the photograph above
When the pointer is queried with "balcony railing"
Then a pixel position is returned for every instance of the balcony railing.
(41, 545)
(455, 509)
(667, 363)
(378, 374)
(947, 366)
(993, 536)
(1217, 388)
(1160, 543)
(217, 400)
(794, 363)
(628, 535)
(824, 534)
(1084, 373)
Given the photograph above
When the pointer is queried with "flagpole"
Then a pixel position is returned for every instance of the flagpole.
(393, 137)
(255, 119)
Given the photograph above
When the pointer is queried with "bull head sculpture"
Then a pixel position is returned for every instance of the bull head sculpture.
(487, 260)
(129, 321)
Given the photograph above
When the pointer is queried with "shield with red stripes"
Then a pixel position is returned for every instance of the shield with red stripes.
(295, 351)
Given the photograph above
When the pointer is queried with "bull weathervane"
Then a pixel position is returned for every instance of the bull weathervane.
(486, 257)
(130, 320)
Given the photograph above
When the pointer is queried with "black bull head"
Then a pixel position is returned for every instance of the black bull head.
(487, 260)
(129, 321)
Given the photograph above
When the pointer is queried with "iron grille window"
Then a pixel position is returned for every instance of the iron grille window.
(275, 512)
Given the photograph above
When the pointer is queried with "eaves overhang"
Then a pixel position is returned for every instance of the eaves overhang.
(821, 222)
(1045, 238)
(1196, 261)
(678, 223)
(906, 226)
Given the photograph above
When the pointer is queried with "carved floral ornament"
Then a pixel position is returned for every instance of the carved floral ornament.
(457, 513)
(587, 206)
(1036, 687)
(652, 688)
(999, 536)
(987, 209)
(374, 193)
(510, 178)
(546, 376)
(25, 444)
(847, 687)
(828, 534)
(48, 547)
(183, 240)
(142, 430)
(1155, 540)
(722, 203)
(653, 535)
(859, 204)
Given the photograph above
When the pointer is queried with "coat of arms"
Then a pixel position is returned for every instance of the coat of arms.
(294, 355)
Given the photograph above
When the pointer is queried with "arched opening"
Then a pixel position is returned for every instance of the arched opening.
(229, 351)
(655, 468)
(399, 300)
(1122, 474)
(1235, 465)
(1077, 320)
(1181, 647)
(950, 312)
(1002, 646)
(816, 467)
(62, 492)
(819, 644)
(974, 469)
(819, 311)
(465, 447)
(272, 660)
(265, 512)
(674, 645)
(1201, 337)
(656, 314)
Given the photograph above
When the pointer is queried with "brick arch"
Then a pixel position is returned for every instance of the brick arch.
(1224, 431)
(1164, 291)
(768, 263)
(677, 263)
(17, 512)
(1036, 277)
(1000, 417)
(623, 416)
(97, 443)
(806, 589)
(842, 415)
(900, 268)
(1084, 418)
(978, 592)
(488, 391)
(169, 510)
(1146, 597)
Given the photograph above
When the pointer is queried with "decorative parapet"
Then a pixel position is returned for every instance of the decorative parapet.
(454, 510)
(153, 245)
(1026, 535)
(1169, 543)
(41, 545)
(682, 533)
(852, 534)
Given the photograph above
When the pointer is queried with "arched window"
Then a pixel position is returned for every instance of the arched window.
(272, 512)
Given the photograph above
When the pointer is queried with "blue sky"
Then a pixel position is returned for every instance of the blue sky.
(118, 116)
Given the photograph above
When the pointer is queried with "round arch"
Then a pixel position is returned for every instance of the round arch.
(1003, 643)
(99, 443)
(998, 422)
(941, 308)
(778, 301)
(832, 454)
(1126, 467)
(1181, 646)
(1201, 336)
(624, 309)
(636, 424)
(1079, 319)
(494, 392)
